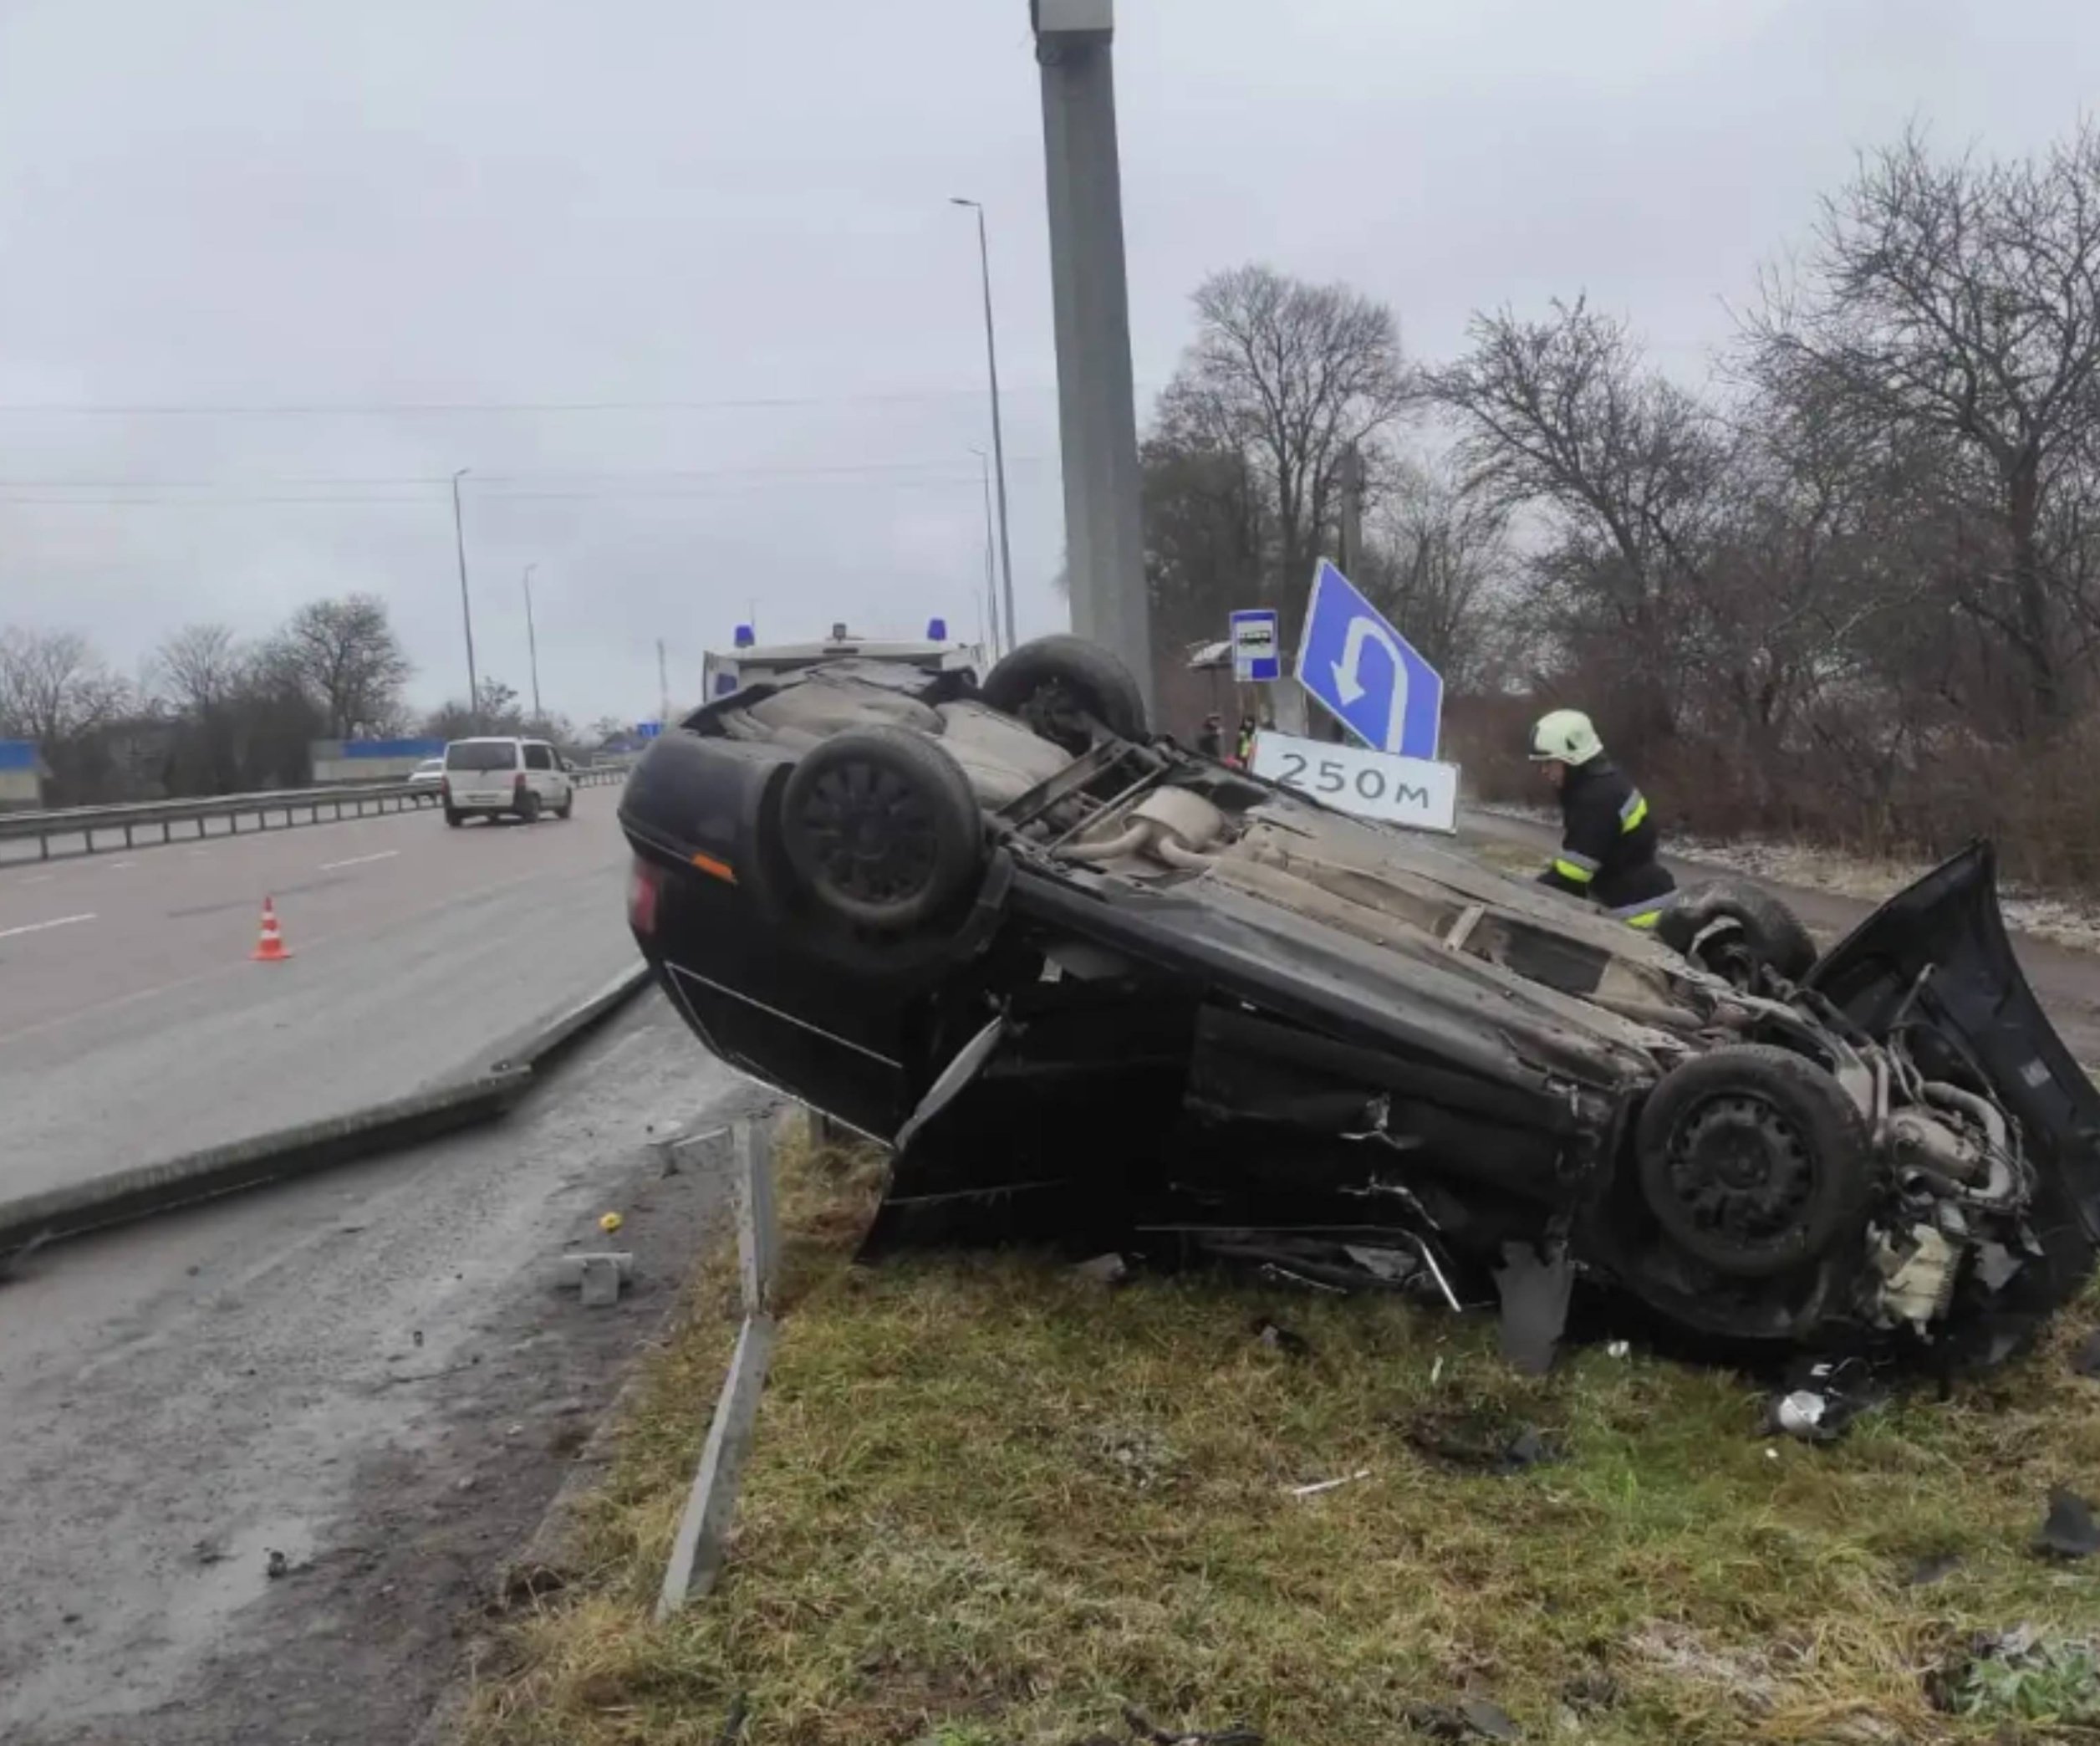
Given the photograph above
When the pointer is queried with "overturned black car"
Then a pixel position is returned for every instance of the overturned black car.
(1093, 988)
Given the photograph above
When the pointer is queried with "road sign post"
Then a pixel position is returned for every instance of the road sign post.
(1368, 676)
(1257, 648)
(1414, 792)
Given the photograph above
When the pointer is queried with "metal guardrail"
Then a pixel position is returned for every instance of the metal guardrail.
(98, 827)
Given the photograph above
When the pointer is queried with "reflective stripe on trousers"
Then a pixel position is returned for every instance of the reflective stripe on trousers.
(1646, 913)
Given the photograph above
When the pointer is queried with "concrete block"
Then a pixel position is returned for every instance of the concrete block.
(598, 1277)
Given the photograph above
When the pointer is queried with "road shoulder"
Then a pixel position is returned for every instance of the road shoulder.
(376, 1375)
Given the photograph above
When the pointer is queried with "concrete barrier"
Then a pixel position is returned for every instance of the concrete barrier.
(364, 761)
(21, 775)
(125, 1195)
(87, 829)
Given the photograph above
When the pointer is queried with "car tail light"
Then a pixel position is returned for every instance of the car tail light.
(643, 888)
(445, 789)
(518, 784)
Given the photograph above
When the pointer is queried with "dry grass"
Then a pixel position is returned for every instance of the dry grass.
(991, 1503)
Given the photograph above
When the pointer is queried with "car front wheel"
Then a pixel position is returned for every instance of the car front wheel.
(1754, 1161)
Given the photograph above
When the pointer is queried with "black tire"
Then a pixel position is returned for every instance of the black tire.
(454, 818)
(1765, 933)
(1754, 1161)
(1054, 682)
(881, 829)
(567, 808)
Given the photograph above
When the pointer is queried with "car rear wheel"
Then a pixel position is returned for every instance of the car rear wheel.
(881, 829)
(454, 817)
(1055, 683)
(1734, 929)
(528, 808)
(1754, 1161)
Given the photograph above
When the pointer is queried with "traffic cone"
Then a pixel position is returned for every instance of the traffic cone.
(269, 947)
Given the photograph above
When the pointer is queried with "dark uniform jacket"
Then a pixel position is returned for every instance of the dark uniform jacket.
(1609, 844)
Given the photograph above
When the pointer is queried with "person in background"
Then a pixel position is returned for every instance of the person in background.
(1243, 748)
(1210, 743)
(1608, 841)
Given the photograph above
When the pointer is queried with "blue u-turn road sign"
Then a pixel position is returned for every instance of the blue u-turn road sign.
(1365, 673)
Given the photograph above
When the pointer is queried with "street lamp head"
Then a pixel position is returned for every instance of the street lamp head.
(1085, 20)
(957, 200)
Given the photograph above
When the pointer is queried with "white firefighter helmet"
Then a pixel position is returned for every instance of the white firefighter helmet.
(1566, 736)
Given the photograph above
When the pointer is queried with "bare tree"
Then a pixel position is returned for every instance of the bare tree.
(1962, 299)
(1564, 415)
(201, 668)
(346, 655)
(1206, 542)
(1286, 376)
(1437, 559)
(53, 687)
(212, 682)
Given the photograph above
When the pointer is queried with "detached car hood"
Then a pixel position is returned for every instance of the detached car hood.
(1935, 959)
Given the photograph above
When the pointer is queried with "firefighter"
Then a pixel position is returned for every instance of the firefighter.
(1608, 841)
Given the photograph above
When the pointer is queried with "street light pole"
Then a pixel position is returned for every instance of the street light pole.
(1090, 298)
(466, 606)
(998, 432)
(990, 593)
(531, 644)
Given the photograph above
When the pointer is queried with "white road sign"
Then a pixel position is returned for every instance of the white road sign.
(1393, 790)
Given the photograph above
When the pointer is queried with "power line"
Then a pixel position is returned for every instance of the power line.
(441, 481)
(417, 409)
(956, 481)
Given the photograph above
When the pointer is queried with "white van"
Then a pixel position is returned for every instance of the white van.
(523, 777)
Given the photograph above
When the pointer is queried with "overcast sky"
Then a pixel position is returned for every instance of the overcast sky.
(507, 232)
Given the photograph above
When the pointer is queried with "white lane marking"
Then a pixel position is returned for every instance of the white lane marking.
(359, 860)
(239, 966)
(8, 933)
(119, 866)
(38, 878)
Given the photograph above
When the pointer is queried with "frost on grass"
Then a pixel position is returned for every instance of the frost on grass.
(1677, 1651)
(1137, 1453)
(2023, 1675)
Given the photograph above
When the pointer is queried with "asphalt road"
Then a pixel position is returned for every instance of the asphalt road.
(2066, 982)
(374, 1372)
(134, 1025)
